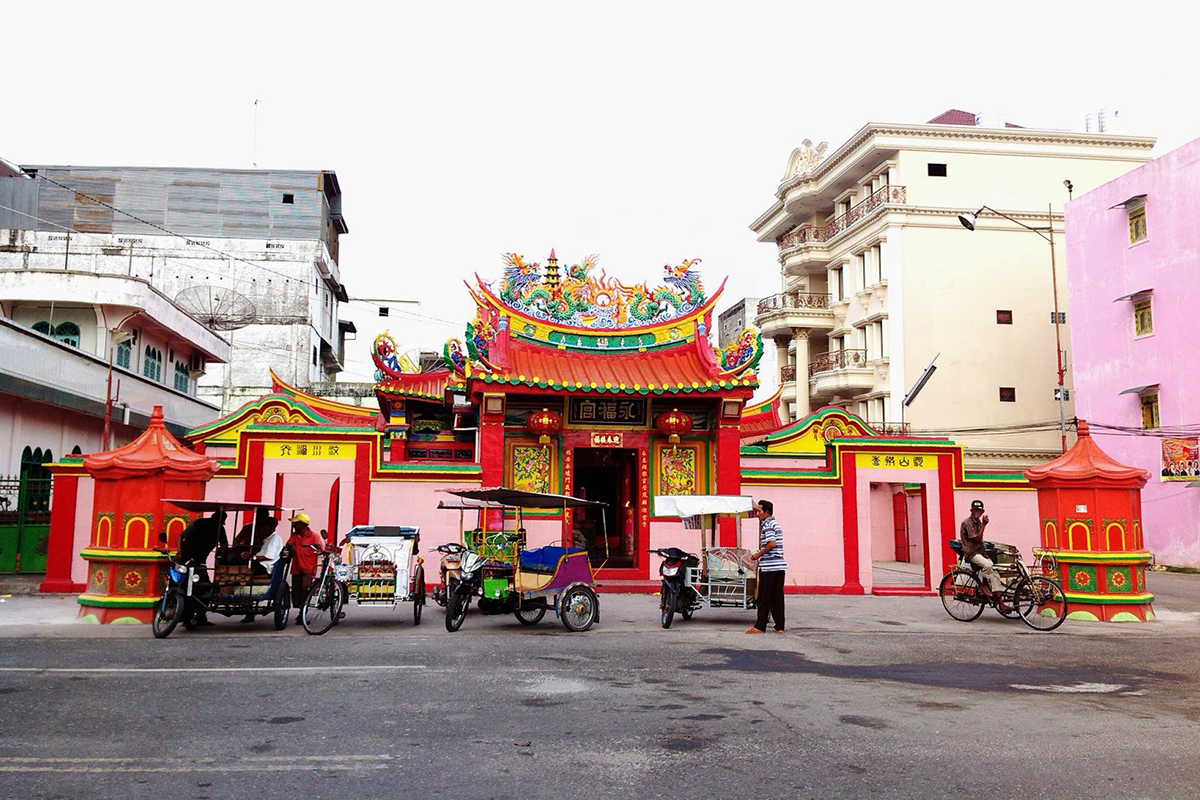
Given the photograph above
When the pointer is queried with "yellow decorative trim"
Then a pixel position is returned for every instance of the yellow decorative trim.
(90, 553)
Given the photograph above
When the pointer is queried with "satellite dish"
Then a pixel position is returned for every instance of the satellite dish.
(216, 307)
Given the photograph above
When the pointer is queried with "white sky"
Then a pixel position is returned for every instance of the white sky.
(647, 132)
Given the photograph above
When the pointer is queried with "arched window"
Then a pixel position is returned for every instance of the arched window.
(152, 364)
(124, 353)
(75, 451)
(67, 333)
(181, 376)
(42, 327)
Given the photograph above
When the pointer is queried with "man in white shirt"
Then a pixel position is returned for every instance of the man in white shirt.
(269, 551)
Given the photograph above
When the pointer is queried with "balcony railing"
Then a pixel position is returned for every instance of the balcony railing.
(787, 373)
(889, 428)
(785, 300)
(879, 198)
(842, 359)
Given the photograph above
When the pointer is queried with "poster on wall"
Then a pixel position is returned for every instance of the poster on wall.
(1181, 459)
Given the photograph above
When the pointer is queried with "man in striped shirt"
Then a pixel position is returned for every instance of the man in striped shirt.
(771, 569)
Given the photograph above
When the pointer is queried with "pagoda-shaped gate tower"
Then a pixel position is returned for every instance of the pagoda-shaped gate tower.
(1091, 512)
(125, 573)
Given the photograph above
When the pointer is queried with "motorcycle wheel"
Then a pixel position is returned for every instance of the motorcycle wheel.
(667, 604)
(283, 605)
(579, 609)
(166, 615)
(456, 607)
(418, 595)
(531, 615)
(321, 607)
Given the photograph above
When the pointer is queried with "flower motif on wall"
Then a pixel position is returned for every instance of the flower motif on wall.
(132, 580)
(1082, 578)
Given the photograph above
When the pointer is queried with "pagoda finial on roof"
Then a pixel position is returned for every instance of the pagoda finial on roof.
(552, 271)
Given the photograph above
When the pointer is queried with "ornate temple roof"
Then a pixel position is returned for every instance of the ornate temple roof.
(155, 450)
(573, 330)
(1085, 462)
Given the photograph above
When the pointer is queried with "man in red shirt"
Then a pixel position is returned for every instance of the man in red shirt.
(304, 558)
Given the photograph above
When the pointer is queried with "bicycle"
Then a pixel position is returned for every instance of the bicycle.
(1034, 598)
(323, 604)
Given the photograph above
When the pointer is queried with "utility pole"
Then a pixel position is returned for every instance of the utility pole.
(1062, 392)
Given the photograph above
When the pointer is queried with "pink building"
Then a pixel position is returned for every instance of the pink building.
(1133, 248)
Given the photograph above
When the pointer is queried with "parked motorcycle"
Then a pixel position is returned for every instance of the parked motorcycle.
(449, 572)
(677, 593)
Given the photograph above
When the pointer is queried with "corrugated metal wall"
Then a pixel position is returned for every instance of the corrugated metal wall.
(20, 194)
(189, 202)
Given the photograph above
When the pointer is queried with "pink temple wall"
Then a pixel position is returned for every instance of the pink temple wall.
(1108, 358)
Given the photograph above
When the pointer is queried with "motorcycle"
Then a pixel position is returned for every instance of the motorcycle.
(471, 568)
(677, 593)
(449, 572)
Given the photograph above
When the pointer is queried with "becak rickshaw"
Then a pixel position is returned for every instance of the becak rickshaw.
(718, 576)
(496, 567)
(234, 588)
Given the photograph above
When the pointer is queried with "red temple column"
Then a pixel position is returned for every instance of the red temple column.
(125, 574)
(1091, 512)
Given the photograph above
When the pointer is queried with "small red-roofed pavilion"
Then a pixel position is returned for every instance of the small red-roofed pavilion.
(1091, 512)
(125, 573)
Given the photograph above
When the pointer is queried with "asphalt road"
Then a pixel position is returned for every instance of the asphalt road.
(862, 696)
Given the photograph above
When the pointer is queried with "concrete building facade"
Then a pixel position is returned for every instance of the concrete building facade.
(878, 277)
(1134, 251)
(252, 254)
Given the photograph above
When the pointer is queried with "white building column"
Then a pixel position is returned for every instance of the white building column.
(803, 404)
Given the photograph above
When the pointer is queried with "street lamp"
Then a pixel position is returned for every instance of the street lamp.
(968, 221)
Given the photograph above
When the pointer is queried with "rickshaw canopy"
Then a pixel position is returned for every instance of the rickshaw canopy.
(514, 498)
(695, 505)
(208, 506)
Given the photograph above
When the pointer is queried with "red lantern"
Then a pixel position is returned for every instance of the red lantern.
(674, 423)
(545, 423)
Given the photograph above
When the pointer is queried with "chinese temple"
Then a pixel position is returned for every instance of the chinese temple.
(570, 381)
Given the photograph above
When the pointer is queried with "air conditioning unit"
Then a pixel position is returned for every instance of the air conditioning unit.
(195, 365)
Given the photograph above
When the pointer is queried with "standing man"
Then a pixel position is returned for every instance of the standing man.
(971, 535)
(304, 558)
(772, 568)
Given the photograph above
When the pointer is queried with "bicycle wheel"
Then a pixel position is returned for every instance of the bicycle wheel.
(418, 599)
(1041, 603)
(666, 604)
(530, 615)
(961, 596)
(283, 605)
(167, 614)
(321, 607)
(343, 597)
(579, 609)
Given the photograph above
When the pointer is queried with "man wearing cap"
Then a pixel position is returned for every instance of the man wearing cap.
(971, 535)
(304, 558)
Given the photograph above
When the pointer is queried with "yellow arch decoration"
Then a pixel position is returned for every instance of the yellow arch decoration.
(1087, 533)
(1050, 535)
(1108, 542)
(1137, 535)
(145, 532)
(104, 530)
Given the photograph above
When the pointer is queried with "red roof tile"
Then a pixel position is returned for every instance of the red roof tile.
(955, 116)
(1086, 463)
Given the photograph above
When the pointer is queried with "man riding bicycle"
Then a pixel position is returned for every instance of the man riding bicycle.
(971, 535)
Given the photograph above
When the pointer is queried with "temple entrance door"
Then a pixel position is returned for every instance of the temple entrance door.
(318, 495)
(900, 521)
(609, 476)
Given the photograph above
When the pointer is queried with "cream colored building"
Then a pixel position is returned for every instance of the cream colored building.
(878, 276)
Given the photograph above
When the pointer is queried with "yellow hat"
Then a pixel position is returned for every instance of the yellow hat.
(299, 516)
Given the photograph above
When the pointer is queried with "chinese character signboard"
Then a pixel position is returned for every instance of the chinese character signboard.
(1181, 459)
(895, 461)
(301, 449)
(623, 412)
(608, 439)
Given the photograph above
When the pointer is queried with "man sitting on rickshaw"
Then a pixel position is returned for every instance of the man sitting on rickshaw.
(196, 542)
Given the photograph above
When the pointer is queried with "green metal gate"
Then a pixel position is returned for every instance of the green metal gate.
(24, 522)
